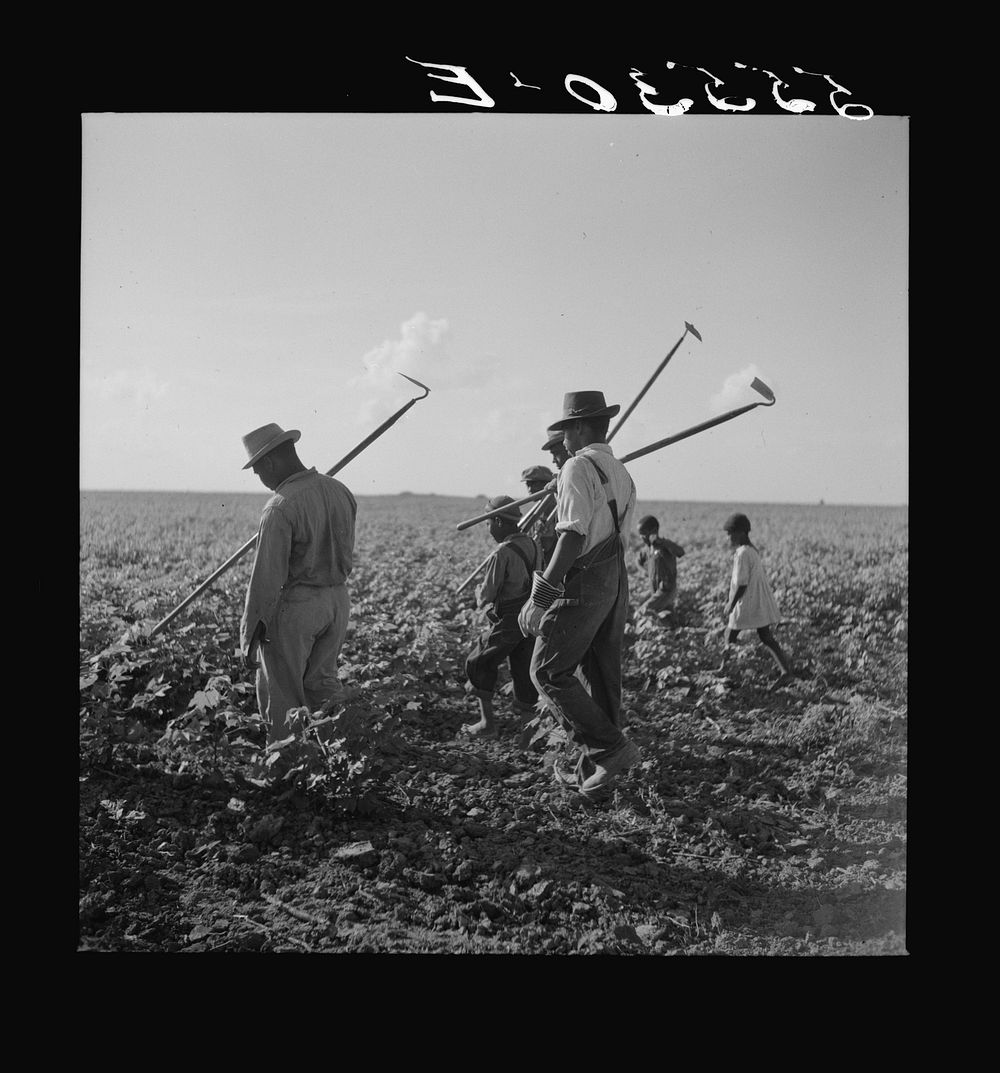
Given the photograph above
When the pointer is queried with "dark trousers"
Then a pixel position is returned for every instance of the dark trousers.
(503, 641)
(585, 630)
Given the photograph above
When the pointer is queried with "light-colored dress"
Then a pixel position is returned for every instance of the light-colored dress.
(757, 607)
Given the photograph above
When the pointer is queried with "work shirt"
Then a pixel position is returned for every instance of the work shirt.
(581, 501)
(507, 576)
(660, 559)
(306, 537)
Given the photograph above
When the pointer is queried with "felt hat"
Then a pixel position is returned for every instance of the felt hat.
(266, 438)
(496, 502)
(537, 473)
(737, 521)
(555, 437)
(579, 405)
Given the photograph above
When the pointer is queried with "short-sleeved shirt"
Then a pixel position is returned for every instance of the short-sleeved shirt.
(757, 607)
(507, 575)
(660, 559)
(581, 501)
(306, 537)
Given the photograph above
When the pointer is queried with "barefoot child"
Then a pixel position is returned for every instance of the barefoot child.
(659, 556)
(751, 605)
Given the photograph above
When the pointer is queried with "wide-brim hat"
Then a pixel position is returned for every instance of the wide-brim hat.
(536, 473)
(514, 513)
(555, 437)
(582, 405)
(266, 438)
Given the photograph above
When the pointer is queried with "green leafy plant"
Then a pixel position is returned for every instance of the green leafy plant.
(334, 753)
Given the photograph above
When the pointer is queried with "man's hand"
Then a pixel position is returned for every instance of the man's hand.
(529, 619)
(543, 594)
(250, 661)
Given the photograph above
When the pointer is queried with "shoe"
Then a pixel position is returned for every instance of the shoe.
(624, 757)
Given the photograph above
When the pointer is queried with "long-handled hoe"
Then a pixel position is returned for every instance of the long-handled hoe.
(545, 503)
(237, 555)
(758, 385)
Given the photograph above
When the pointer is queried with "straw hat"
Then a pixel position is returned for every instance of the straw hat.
(266, 438)
(579, 405)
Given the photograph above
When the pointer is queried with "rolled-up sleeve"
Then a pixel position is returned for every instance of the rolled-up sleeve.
(270, 572)
(575, 501)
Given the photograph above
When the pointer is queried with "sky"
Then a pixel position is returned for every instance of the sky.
(239, 269)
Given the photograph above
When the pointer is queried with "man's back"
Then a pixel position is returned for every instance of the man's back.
(317, 515)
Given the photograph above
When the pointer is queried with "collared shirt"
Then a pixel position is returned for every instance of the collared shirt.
(582, 504)
(306, 537)
(506, 574)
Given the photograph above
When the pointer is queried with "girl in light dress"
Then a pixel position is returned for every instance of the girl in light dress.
(751, 605)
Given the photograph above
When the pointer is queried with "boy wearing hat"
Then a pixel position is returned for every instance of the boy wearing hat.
(578, 606)
(503, 590)
(660, 561)
(297, 605)
(536, 478)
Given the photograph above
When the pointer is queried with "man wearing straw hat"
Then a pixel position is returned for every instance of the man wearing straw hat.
(503, 590)
(297, 604)
(578, 606)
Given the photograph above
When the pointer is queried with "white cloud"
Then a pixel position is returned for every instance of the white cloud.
(736, 391)
(411, 353)
(415, 352)
(423, 350)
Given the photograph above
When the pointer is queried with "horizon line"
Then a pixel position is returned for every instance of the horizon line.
(450, 495)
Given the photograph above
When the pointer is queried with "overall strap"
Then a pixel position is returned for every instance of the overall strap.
(600, 552)
(612, 504)
(523, 555)
(516, 602)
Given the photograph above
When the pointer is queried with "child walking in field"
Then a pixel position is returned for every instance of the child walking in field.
(659, 556)
(751, 605)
